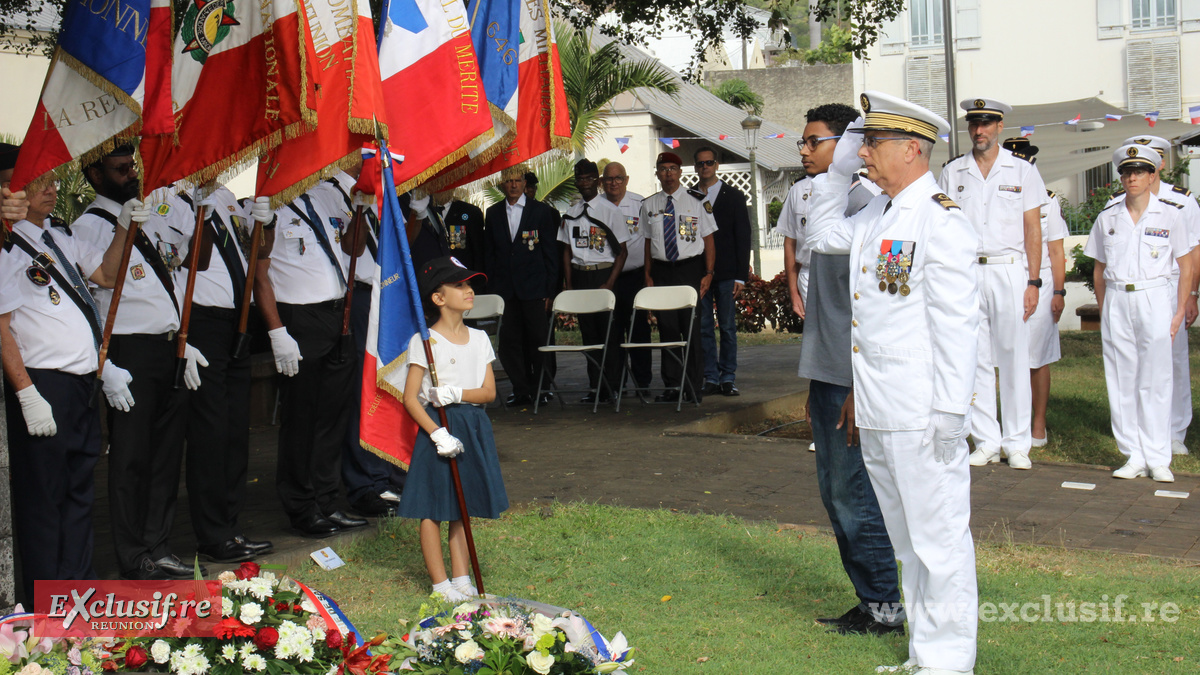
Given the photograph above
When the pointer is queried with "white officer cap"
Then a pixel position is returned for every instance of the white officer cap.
(1162, 145)
(1136, 156)
(984, 109)
(890, 113)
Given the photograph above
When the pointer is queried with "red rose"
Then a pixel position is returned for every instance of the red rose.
(266, 638)
(333, 639)
(109, 665)
(282, 606)
(296, 609)
(135, 658)
(248, 570)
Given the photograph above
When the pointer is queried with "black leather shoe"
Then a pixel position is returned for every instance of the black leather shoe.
(518, 399)
(710, 388)
(174, 567)
(372, 505)
(315, 527)
(545, 398)
(344, 521)
(591, 398)
(855, 615)
(146, 571)
(728, 389)
(868, 626)
(228, 551)
(667, 397)
(256, 547)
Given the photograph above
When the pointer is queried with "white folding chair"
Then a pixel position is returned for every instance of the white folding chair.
(579, 302)
(663, 299)
(488, 309)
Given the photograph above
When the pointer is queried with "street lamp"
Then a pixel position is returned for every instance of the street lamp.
(751, 125)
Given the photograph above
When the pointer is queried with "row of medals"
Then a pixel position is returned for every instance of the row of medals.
(889, 272)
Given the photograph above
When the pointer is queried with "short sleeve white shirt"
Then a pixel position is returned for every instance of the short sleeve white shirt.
(364, 269)
(996, 205)
(693, 222)
(214, 286)
(631, 210)
(589, 243)
(301, 273)
(463, 366)
(1138, 251)
(1054, 228)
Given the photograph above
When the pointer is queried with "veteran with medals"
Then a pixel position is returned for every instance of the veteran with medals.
(914, 300)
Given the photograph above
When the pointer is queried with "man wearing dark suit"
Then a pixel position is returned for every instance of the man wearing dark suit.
(732, 270)
(463, 224)
(522, 264)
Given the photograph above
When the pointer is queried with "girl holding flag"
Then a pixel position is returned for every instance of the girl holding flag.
(463, 358)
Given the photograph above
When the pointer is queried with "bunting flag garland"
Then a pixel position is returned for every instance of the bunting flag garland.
(1074, 120)
(385, 427)
(722, 137)
(778, 135)
(238, 88)
(669, 142)
(1152, 118)
(1112, 117)
(342, 62)
(435, 99)
(1026, 132)
(623, 144)
(1194, 114)
(108, 82)
(945, 137)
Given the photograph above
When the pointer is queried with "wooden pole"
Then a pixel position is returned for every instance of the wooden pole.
(462, 502)
(116, 295)
(345, 346)
(185, 315)
(241, 343)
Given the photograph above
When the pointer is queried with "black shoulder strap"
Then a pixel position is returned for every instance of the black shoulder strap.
(322, 240)
(56, 274)
(151, 255)
(607, 231)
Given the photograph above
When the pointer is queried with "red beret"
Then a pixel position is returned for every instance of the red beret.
(668, 158)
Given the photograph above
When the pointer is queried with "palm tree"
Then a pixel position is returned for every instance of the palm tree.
(593, 77)
(738, 94)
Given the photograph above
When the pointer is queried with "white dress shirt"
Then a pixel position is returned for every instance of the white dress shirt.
(514, 212)
(214, 286)
(1138, 251)
(588, 242)
(631, 209)
(301, 272)
(995, 206)
(693, 222)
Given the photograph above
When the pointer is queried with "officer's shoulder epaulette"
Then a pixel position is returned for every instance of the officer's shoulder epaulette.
(1119, 193)
(697, 193)
(1181, 190)
(61, 224)
(1110, 205)
(945, 202)
(952, 159)
(1168, 201)
(1050, 194)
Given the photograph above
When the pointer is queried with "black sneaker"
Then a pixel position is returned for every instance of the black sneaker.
(856, 614)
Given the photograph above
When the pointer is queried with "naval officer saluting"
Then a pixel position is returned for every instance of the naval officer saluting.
(914, 316)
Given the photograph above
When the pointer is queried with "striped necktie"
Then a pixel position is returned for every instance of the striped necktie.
(669, 244)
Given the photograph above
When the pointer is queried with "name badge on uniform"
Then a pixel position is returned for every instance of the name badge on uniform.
(577, 235)
(38, 276)
(1011, 188)
(631, 222)
(893, 266)
(1158, 232)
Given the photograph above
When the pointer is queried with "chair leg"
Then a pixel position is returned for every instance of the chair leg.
(537, 398)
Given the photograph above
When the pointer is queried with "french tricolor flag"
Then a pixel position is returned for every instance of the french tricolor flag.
(1026, 132)
(1112, 117)
(1152, 118)
(722, 137)
(669, 142)
(623, 144)
(778, 135)
(1194, 114)
(1073, 120)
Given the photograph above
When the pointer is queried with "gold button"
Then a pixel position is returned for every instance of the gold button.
(855, 349)
(864, 269)
(856, 296)
(854, 322)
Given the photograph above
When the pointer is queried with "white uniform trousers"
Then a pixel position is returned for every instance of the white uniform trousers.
(926, 507)
(1044, 347)
(1004, 344)
(1135, 333)
(1181, 372)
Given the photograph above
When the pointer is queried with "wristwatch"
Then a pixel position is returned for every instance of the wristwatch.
(1195, 294)
(1036, 283)
(1061, 291)
(709, 273)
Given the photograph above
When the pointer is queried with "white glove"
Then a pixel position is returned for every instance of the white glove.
(945, 431)
(444, 396)
(261, 209)
(447, 445)
(39, 417)
(286, 350)
(133, 210)
(362, 199)
(420, 205)
(845, 156)
(191, 374)
(15, 207)
(116, 386)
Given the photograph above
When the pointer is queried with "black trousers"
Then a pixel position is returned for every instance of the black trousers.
(145, 449)
(363, 473)
(523, 331)
(316, 406)
(672, 325)
(628, 285)
(52, 485)
(592, 327)
(218, 429)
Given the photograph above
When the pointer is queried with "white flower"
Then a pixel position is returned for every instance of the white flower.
(267, 574)
(160, 651)
(226, 607)
(541, 663)
(251, 613)
(292, 640)
(254, 662)
(541, 625)
(226, 577)
(332, 670)
(307, 606)
(306, 652)
(260, 588)
(465, 608)
(229, 652)
(33, 669)
(468, 651)
(247, 649)
(189, 661)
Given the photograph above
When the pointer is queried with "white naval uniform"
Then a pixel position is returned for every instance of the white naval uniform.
(146, 306)
(1044, 347)
(793, 224)
(912, 355)
(1135, 322)
(214, 286)
(301, 272)
(635, 246)
(995, 206)
(693, 223)
(587, 241)
(50, 335)
(364, 269)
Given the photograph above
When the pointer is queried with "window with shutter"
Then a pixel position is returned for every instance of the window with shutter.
(925, 23)
(892, 38)
(925, 82)
(1152, 74)
(1152, 14)
(967, 25)
(1189, 15)
(1110, 22)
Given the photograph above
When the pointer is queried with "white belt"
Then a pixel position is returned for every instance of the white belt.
(1131, 286)
(997, 259)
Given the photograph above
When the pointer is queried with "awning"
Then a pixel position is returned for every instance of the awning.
(1065, 150)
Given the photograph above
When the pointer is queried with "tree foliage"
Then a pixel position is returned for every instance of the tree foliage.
(738, 93)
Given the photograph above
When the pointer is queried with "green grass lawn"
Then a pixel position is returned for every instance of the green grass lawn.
(714, 594)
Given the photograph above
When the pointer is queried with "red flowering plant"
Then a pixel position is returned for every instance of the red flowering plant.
(268, 625)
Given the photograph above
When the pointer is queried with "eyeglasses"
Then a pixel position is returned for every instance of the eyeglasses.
(813, 141)
(125, 169)
(874, 141)
(670, 168)
(613, 179)
(705, 162)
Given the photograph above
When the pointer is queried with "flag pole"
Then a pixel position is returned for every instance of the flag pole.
(118, 286)
(185, 315)
(241, 342)
(345, 345)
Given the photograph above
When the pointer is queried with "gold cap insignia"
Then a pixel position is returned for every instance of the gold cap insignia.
(979, 103)
(866, 103)
(1131, 152)
(1141, 141)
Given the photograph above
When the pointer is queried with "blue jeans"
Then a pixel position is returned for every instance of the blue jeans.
(722, 369)
(849, 499)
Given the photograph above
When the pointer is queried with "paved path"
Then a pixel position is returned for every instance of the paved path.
(653, 457)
